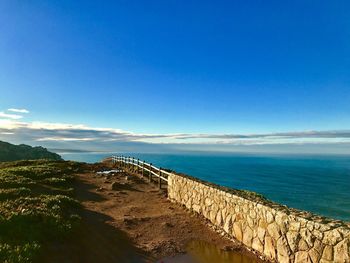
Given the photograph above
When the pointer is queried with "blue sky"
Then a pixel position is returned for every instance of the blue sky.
(175, 67)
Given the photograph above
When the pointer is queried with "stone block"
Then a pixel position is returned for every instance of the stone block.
(302, 257)
(269, 248)
(248, 236)
(274, 230)
(341, 252)
(237, 231)
(258, 245)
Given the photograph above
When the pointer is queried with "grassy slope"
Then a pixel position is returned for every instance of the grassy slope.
(36, 206)
(11, 152)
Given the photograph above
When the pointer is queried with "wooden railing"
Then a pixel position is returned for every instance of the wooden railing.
(146, 169)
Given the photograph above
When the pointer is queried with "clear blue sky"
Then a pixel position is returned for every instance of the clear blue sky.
(178, 66)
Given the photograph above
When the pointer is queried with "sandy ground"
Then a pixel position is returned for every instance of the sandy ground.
(131, 220)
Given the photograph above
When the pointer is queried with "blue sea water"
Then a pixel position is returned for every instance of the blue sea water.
(319, 184)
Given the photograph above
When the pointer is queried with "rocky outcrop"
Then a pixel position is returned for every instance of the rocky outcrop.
(277, 232)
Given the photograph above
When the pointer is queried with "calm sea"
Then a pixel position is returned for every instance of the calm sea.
(320, 184)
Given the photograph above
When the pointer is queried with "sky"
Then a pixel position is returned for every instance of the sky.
(176, 75)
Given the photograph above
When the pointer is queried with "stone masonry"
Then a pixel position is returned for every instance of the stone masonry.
(277, 232)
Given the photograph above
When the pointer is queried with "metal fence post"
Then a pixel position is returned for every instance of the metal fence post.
(143, 168)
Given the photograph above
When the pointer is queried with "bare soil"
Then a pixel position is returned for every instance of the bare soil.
(128, 219)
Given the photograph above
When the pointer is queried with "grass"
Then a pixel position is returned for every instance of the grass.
(37, 206)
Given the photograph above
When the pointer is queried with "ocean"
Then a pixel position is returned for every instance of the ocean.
(315, 183)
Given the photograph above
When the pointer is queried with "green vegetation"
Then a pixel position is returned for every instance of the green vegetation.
(36, 206)
(10, 152)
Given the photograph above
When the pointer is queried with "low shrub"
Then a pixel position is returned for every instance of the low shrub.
(36, 206)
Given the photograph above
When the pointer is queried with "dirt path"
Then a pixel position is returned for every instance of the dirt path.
(133, 222)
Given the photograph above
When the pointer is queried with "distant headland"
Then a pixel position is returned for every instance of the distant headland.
(11, 152)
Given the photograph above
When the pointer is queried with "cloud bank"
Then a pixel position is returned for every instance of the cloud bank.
(82, 137)
(10, 116)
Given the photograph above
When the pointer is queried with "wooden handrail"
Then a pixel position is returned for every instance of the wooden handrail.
(143, 165)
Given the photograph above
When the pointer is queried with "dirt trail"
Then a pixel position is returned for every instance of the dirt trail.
(133, 222)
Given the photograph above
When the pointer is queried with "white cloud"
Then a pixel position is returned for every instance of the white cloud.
(10, 116)
(102, 138)
(18, 110)
(64, 139)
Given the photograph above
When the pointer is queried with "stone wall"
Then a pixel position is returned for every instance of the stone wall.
(279, 233)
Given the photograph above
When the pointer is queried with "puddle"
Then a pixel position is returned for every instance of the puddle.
(203, 252)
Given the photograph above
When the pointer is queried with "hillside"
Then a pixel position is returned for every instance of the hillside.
(37, 207)
(11, 152)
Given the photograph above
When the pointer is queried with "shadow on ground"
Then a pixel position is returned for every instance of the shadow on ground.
(96, 241)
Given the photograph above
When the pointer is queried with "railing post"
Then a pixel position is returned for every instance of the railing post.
(160, 179)
(138, 166)
(143, 168)
(150, 172)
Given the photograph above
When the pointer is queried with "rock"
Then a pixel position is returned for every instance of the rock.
(283, 248)
(303, 246)
(314, 255)
(274, 230)
(341, 252)
(247, 237)
(292, 238)
(294, 226)
(261, 233)
(307, 236)
(269, 217)
(250, 222)
(228, 224)
(100, 189)
(281, 220)
(302, 257)
(218, 219)
(237, 231)
(257, 245)
(252, 214)
(332, 237)
(269, 248)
